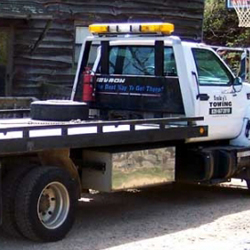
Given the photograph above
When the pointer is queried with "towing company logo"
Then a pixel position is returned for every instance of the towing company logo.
(110, 80)
(220, 106)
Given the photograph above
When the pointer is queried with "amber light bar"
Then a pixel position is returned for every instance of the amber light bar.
(130, 28)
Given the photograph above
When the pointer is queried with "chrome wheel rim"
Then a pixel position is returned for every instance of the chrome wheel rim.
(53, 205)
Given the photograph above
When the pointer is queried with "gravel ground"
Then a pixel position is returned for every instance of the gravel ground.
(168, 217)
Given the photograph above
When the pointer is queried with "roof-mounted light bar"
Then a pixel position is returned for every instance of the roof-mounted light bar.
(132, 28)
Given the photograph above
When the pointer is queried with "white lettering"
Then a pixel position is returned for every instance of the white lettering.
(220, 104)
(99, 79)
(111, 80)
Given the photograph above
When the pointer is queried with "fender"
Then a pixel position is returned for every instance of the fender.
(243, 138)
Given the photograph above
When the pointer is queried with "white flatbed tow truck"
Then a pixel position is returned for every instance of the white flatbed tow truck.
(150, 109)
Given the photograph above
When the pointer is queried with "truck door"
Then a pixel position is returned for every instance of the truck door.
(219, 100)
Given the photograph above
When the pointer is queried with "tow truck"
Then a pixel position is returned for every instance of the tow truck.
(149, 109)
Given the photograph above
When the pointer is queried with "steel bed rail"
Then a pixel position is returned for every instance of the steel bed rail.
(136, 132)
(41, 125)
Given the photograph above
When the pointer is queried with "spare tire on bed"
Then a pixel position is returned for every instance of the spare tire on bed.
(59, 110)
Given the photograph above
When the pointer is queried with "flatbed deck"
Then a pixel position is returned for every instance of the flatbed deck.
(26, 135)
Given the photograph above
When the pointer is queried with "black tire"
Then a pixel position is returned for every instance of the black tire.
(10, 186)
(59, 110)
(34, 204)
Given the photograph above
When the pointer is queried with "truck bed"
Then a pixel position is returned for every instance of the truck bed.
(26, 135)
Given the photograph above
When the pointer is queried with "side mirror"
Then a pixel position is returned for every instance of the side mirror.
(237, 81)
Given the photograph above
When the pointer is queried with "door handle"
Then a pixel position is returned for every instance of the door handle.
(203, 97)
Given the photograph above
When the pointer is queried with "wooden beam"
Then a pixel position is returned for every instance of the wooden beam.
(25, 16)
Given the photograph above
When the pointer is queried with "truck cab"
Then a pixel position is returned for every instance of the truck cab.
(141, 71)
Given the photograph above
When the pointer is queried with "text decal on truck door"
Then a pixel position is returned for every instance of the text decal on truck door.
(138, 86)
(220, 106)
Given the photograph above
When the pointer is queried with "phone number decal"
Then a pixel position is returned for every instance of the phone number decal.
(220, 111)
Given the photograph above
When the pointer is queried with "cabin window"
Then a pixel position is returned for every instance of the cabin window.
(128, 60)
(210, 69)
(139, 60)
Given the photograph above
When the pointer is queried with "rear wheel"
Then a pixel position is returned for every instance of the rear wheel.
(46, 204)
(10, 186)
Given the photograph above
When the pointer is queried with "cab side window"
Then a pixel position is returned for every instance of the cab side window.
(211, 71)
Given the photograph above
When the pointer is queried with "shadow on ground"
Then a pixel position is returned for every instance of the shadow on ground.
(108, 220)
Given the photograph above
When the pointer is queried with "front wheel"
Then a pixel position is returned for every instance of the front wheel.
(46, 204)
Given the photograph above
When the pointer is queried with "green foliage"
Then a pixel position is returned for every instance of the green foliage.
(221, 26)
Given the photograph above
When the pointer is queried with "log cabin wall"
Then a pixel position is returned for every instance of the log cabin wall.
(38, 69)
(43, 35)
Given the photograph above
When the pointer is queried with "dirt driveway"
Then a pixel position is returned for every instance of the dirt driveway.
(166, 217)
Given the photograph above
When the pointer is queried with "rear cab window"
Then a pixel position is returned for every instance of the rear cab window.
(139, 61)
